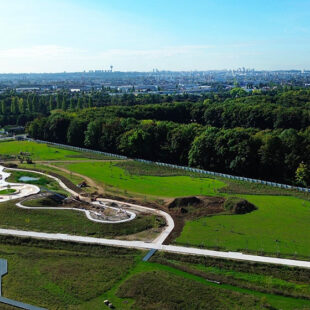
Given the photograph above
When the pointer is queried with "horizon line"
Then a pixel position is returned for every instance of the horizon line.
(151, 71)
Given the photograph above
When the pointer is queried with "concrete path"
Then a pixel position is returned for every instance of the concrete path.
(166, 248)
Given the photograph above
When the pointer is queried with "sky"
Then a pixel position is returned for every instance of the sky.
(140, 35)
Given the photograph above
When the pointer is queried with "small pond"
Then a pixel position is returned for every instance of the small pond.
(27, 179)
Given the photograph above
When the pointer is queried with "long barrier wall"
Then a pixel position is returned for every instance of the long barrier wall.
(212, 173)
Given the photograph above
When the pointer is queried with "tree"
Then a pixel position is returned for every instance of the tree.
(75, 134)
(14, 106)
(136, 143)
(202, 153)
(180, 141)
(56, 128)
(36, 128)
(302, 175)
(93, 134)
(3, 107)
(272, 158)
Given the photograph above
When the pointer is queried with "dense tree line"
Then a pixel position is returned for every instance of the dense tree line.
(267, 154)
(261, 135)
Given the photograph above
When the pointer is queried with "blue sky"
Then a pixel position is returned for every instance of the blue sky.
(76, 35)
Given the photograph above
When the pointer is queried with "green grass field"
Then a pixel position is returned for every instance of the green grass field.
(280, 225)
(44, 151)
(62, 276)
(59, 275)
(7, 191)
(169, 186)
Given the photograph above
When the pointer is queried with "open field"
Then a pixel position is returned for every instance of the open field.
(44, 152)
(280, 225)
(63, 277)
(268, 282)
(59, 275)
(109, 174)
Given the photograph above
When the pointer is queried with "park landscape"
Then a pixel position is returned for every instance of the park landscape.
(208, 213)
(154, 155)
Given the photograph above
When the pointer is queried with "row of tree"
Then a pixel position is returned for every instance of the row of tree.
(236, 108)
(269, 154)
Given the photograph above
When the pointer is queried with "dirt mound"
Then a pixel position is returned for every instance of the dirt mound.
(184, 202)
(189, 208)
(238, 206)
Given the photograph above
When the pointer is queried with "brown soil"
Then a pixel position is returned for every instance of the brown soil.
(189, 208)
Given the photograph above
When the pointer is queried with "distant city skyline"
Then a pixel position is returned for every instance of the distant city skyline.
(75, 35)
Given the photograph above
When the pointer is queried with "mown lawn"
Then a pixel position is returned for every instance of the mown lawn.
(168, 186)
(280, 225)
(39, 151)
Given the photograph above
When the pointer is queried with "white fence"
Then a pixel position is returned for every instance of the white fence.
(223, 175)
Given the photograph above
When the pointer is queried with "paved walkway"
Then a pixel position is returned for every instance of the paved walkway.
(166, 248)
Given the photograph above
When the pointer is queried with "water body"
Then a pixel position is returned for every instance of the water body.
(27, 179)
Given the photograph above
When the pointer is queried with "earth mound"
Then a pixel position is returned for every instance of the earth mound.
(238, 206)
(184, 202)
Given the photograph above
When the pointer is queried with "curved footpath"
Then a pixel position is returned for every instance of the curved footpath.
(157, 244)
(159, 240)
(25, 190)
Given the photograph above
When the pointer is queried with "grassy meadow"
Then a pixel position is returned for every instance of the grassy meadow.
(279, 225)
(110, 174)
(59, 275)
(46, 152)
